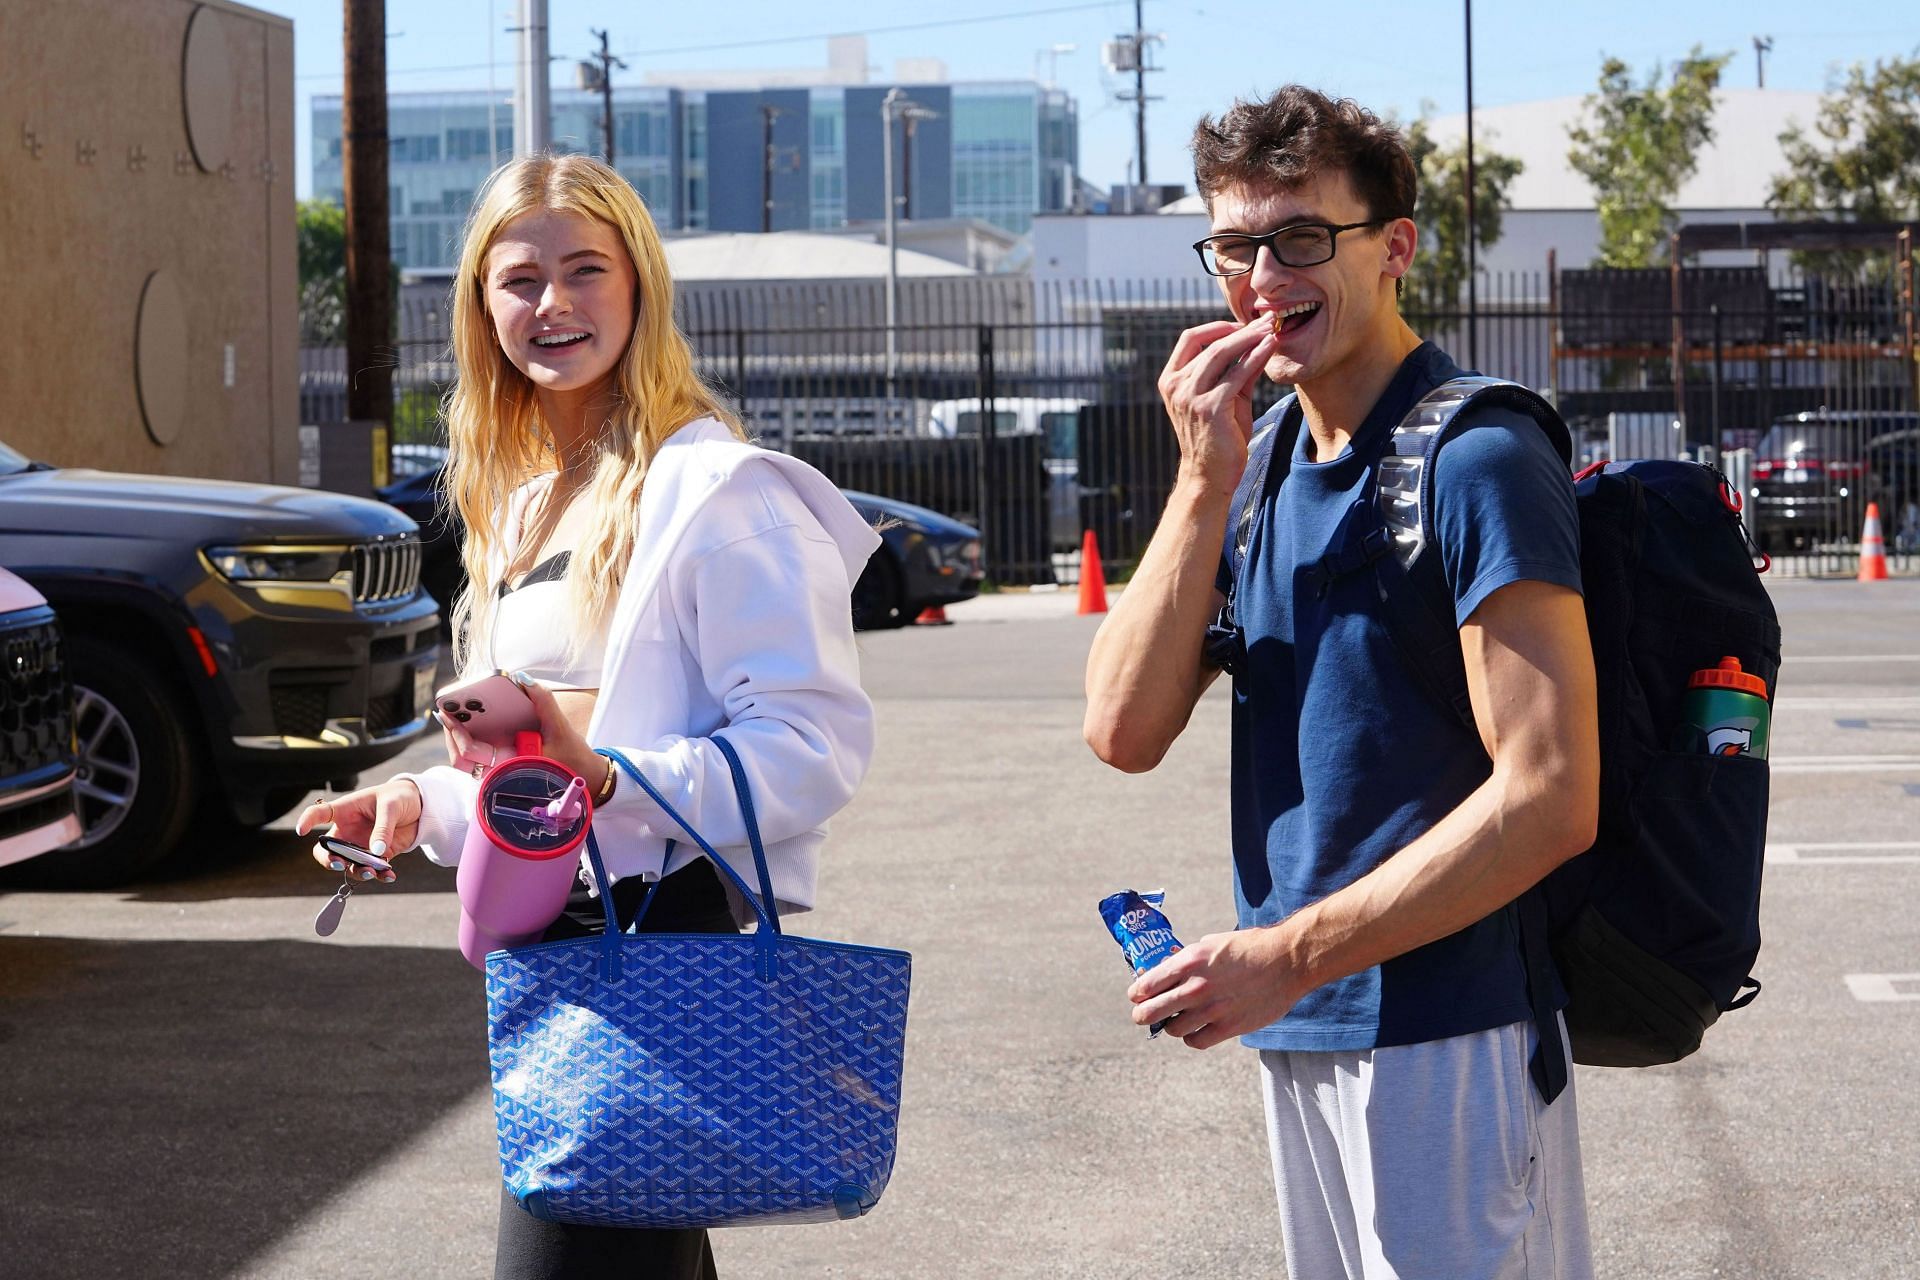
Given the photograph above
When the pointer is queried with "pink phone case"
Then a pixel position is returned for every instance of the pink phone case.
(491, 708)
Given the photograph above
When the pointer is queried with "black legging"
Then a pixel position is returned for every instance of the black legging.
(691, 900)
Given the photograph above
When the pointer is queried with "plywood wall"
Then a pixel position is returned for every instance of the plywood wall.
(104, 182)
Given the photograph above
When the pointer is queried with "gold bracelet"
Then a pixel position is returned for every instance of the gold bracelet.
(605, 793)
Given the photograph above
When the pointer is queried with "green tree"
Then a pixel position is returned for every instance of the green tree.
(1641, 143)
(1440, 265)
(1862, 159)
(321, 237)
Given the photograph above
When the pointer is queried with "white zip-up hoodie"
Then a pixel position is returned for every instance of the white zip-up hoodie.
(733, 618)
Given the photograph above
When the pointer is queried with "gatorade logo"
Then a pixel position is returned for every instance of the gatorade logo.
(1728, 741)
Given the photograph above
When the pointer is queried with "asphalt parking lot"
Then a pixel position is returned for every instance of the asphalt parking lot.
(193, 1084)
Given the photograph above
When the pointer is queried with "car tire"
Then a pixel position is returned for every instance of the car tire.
(139, 772)
(880, 596)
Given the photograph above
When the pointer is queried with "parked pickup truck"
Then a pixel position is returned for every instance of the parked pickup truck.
(36, 727)
(232, 647)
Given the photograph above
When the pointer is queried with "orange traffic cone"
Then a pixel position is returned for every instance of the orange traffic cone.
(1873, 548)
(933, 616)
(1093, 580)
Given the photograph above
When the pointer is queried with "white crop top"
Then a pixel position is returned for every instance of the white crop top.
(526, 632)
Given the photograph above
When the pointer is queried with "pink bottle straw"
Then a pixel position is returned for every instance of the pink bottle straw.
(508, 894)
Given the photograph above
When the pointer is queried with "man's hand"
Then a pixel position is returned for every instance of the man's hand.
(1222, 986)
(1207, 387)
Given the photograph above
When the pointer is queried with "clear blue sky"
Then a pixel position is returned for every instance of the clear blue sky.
(1390, 54)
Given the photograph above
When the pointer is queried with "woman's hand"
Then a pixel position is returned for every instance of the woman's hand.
(377, 819)
(464, 751)
(560, 741)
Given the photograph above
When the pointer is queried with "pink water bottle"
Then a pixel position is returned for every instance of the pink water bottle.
(522, 851)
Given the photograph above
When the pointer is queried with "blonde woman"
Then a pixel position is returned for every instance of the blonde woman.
(659, 580)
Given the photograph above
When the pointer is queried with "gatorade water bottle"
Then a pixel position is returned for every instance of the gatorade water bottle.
(522, 851)
(1725, 712)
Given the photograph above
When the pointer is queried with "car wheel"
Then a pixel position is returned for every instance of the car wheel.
(138, 776)
(880, 596)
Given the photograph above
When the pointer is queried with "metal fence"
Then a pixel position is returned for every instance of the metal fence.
(1029, 409)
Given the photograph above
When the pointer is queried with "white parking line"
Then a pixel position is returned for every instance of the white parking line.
(1837, 853)
(1876, 988)
(1844, 764)
(1861, 700)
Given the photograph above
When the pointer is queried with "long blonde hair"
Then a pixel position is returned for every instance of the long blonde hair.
(497, 438)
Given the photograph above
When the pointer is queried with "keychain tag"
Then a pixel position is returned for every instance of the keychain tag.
(329, 918)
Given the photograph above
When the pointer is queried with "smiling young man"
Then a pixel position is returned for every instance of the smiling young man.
(1377, 842)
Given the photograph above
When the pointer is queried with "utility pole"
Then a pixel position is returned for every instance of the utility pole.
(601, 78)
(1473, 282)
(768, 113)
(532, 103)
(1128, 52)
(363, 154)
(1140, 91)
(1762, 46)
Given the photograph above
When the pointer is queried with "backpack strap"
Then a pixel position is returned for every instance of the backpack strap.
(1419, 612)
(1226, 641)
(1417, 608)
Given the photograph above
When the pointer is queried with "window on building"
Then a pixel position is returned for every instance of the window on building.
(414, 149)
(467, 144)
(696, 130)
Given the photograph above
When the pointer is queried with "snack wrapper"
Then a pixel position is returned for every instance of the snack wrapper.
(1145, 937)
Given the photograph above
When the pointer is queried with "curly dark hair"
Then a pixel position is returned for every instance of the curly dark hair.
(1294, 137)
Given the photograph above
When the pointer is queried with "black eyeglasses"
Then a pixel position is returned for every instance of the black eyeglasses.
(1301, 244)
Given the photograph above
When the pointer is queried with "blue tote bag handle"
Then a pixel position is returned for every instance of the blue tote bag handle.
(764, 906)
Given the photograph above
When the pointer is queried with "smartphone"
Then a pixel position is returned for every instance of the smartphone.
(353, 853)
(491, 708)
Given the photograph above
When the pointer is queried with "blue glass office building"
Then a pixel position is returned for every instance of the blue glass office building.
(736, 160)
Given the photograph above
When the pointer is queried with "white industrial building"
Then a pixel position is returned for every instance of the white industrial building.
(1552, 206)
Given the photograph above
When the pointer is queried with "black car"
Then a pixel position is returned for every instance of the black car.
(232, 647)
(1814, 474)
(926, 560)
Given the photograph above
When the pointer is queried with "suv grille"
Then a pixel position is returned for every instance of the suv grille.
(299, 710)
(36, 696)
(388, 711)
(385, 570)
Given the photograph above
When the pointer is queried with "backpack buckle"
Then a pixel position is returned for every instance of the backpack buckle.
(1226, 643)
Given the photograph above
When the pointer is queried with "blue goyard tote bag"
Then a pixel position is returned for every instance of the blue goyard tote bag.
(697, 1080)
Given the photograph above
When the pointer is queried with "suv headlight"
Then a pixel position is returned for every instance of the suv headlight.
(279, 565)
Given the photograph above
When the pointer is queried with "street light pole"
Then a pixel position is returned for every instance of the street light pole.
(896, 105)
(1473, 283)
(907, 123)
(768, 113)
(888, 105)
(532, 106)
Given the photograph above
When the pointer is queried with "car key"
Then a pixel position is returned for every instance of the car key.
(329, 918)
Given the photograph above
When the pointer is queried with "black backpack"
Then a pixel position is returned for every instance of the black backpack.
(1653, 930)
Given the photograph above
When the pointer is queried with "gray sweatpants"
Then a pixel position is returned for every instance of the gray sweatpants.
(1426, 1160)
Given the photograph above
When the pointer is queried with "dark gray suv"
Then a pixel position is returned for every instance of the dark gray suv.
(232, 647)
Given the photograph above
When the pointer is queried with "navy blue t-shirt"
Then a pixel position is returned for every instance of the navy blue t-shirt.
(1340, 757)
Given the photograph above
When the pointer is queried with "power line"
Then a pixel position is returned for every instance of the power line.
(770, 40)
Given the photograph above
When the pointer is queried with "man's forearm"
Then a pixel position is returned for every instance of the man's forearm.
(1146, 671)
(1502, 840)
